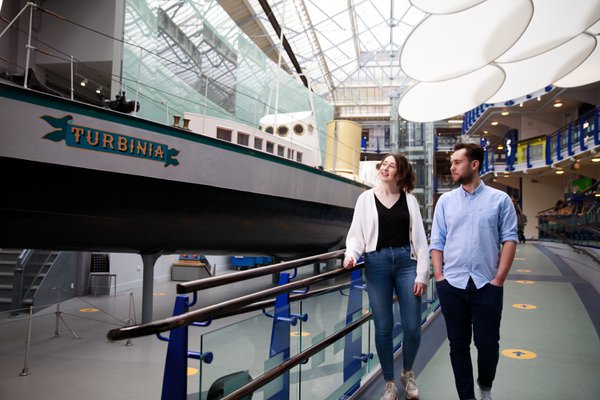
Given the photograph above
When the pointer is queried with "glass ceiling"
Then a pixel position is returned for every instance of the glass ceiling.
(350, 50)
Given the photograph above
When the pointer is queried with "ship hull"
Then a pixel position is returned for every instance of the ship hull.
(80, 177)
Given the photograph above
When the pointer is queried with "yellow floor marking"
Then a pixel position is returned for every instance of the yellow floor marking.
(523, 270)
(520, 259)
(192, 371)
(525, 306)
(519, 354)
(526, 282)
(89, 310)
(158, 293)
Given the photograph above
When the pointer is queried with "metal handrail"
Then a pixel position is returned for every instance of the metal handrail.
(208, 312)
(565, 239)
(193, 286)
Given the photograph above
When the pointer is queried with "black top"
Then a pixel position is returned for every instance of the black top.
(394, 223)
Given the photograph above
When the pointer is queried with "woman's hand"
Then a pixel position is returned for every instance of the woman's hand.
(419, 289)
(349, 262)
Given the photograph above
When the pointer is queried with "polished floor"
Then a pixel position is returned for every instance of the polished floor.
(550, 333)
(550, 341)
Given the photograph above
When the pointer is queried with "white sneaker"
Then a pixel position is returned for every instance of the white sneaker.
(391, 393)
(411, 391)
(486, 394)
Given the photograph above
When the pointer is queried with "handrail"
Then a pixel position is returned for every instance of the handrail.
(566, 240)
(269, 303)
(192, 286)
(290, 363)
(205, 313)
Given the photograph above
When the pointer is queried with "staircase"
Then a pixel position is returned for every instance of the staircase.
(35, 266)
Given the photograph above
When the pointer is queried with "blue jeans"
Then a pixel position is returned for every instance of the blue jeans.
(387, 271)
(478, 311)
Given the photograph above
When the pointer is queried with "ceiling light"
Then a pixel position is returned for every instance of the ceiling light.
(559, 172)
(558, 104)
(597, 194)
(84, 82)
(500, 147)
(521, 104)
(539, 98)
(494, 123)
(586, 125)
(486, 132)
(596, 159)
(505, 113)
(99, 90)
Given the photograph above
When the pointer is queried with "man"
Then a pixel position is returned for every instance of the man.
(473, 243)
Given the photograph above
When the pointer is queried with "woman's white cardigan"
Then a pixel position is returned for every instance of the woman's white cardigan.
(364, 231)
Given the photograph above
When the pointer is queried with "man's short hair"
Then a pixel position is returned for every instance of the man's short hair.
(473, 152)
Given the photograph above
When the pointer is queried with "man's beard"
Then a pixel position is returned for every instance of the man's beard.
(465, 179)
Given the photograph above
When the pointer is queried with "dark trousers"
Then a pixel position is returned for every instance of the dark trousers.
(476, 311)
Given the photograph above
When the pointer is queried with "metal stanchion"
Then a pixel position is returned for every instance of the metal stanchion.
(131, 321)
(25, 370)
(59, 316)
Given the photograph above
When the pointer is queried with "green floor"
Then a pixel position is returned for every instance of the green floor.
(548, 331)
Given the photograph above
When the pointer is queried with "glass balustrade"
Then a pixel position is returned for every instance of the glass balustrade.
(250, 347)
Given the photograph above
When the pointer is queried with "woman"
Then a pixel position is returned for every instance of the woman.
(387, 227)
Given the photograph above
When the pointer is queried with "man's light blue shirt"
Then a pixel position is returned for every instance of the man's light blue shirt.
(469, 229)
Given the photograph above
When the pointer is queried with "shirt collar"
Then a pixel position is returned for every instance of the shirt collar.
(476, 192)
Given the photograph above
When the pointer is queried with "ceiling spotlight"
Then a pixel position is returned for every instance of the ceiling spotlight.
(99, 90)
(559, 172)
(558, 104)
(494, 123)
(586, 125)
(596, 159)
(539, 98)
(504, 113)
(84, 82)
(500, 147)
(486, 132)
(521, 104)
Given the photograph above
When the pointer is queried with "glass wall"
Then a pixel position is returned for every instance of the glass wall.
(189, 56)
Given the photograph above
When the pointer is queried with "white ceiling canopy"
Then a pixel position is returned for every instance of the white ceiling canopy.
(536, 72)
(587, 72)
(446, 46)
(450, 97)
(556, 47)
(553, 23)
(444, 7)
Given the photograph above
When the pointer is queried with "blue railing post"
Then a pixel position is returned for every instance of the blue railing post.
(570, 140)
(529, 165)
(175, 375)
(558, 146)
(280, 336)
(548, 149)
(353, 355)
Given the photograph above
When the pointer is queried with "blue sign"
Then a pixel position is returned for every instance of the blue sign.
(109, 142)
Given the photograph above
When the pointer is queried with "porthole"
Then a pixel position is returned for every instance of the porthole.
(299, 129)
(282, 130)
(269, 129)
